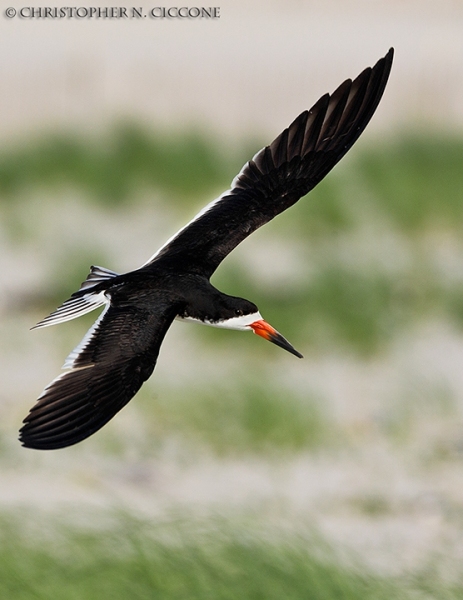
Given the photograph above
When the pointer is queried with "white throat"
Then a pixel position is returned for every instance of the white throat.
(238, 323)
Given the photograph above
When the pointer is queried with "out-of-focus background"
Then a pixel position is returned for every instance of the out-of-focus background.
(239, 471)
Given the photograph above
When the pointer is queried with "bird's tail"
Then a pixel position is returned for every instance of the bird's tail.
(88, 297)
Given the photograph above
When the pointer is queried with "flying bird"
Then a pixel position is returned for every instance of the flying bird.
(119, 352)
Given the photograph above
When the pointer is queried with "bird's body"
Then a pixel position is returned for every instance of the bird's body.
(120, 351)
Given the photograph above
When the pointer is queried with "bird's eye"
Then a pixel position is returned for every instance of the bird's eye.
(238, 312)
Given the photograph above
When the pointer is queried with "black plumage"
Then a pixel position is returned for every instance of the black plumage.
(120, 351)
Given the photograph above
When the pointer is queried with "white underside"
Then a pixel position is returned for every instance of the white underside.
(238, 323)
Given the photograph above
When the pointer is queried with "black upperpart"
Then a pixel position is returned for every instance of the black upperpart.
(207, 304)
(120, 351)
(280, 174)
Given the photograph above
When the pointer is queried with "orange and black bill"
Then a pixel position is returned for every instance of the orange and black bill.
(266, 331)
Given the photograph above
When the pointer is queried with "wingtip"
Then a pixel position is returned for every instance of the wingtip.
(388, 58)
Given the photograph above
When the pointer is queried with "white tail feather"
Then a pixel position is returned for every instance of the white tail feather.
(73, 308)
(77, 306)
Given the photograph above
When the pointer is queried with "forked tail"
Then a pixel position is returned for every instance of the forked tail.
(88, 297)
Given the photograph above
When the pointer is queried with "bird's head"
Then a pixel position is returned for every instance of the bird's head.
(242, 315)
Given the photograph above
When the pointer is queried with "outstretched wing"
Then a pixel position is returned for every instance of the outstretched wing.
(279, 174)
(106, 370)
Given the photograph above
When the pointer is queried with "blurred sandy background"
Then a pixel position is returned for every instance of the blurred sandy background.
(248, 71)
(239, 78)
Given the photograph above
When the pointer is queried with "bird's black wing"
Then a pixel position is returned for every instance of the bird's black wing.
(279, 174)
(106, 370)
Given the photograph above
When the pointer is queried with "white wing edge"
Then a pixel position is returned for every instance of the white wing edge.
(70, 362)
(204, 210)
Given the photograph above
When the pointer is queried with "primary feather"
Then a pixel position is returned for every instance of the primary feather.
(120, 351)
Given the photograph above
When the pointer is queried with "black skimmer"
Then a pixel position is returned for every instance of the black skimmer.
(119, 353)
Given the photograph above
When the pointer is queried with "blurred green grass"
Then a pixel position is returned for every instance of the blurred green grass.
(110, 169)
(404, 188)
(417, 181)
(195, 561)
(246, 418)
(365, 240)
(345, 299)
